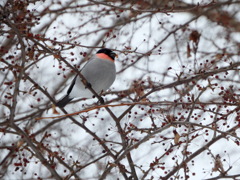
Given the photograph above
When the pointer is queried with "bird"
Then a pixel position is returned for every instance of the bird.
(99, 72)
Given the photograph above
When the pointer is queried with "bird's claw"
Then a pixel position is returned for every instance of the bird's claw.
(88, 85)
(101, 100)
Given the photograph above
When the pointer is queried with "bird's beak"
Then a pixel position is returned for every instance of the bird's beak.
(114, 55)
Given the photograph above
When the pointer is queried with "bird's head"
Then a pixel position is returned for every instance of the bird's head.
(108, 52)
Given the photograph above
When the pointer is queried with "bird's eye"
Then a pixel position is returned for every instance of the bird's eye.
(113, 54)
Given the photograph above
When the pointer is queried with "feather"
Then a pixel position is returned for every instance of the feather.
(66, 99)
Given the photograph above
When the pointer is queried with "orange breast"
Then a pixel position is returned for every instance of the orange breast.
(104, 56)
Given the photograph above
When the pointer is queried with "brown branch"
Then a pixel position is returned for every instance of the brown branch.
(224, 177)
(14, 104)
(196, 153)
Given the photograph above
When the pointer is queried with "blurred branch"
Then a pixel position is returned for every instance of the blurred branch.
(224, 177)
(196, 153)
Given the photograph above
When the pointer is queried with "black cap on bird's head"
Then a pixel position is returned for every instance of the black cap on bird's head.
(108, 52)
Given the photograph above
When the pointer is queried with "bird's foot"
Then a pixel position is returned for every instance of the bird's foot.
(88, 85)
(101, 100)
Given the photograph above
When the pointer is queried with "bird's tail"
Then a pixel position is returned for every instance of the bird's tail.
(66, 99)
